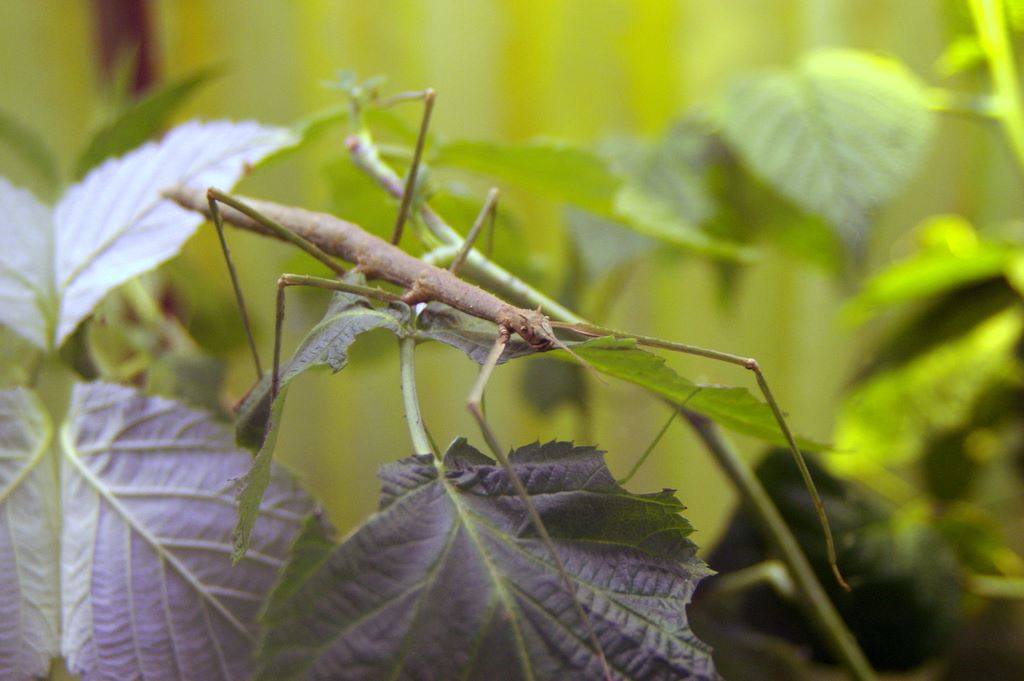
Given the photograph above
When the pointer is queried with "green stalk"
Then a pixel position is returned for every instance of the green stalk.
(417, 432)
(990, 22)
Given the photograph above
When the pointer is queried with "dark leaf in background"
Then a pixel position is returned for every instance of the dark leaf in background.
(905, 579)
(449, 581)
(942, 321)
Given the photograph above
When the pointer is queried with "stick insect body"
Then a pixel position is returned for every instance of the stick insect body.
(327, 238)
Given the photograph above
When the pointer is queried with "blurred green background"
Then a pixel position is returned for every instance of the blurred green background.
(584, 71)
(510, 71)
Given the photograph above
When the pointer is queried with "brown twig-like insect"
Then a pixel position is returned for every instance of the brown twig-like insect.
(328, 238)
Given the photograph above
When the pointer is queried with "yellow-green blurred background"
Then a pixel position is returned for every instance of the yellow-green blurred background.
(580, 70)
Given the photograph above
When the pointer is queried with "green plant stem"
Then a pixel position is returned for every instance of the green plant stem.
(990, 22)
(413, 418)
(813, 599)
(770, 572)
(650, 448)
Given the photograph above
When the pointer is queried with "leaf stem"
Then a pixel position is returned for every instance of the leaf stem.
(413, 418)
(814, 601)
(650, 448)
(991, 586)
(771, 572)
(990, 23)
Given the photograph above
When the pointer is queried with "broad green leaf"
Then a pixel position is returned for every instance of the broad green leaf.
(580, 178)
(838, 135)
(113, 225)
(31, 149)
(140, 121)
(29, 539)
(963, 53)
(947, 319)
(147, 583)
(952, 257)
(734, 408)
(886, 420)
(449, 581)
(666, 195)
(673, 170)
(655, 218)
(559, 170)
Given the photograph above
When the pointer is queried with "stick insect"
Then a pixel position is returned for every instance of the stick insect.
(328, 239)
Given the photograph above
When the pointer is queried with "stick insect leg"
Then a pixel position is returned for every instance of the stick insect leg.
(487, 214)
(218, 222)
(410, 182)
(214, 198)
(752, 365)
(473, 403)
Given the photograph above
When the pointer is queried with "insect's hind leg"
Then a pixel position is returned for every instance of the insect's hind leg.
(473, 404)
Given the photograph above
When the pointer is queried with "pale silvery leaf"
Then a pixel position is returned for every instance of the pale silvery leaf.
(26, 263)
(148, 588)
(29, 583)
(114, 224)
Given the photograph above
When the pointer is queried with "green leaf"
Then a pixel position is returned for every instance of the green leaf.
(839, 135)
(348, 316)
(944, 321)
(448, 580)
(604, 246)
(32, 150)
(952, 257)
(655, 217)
(733, 408)
(140, 121)
(666, 195)
(886, 420)
(29, 539)
(963, 53)
(558, 170)
(580, 178)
